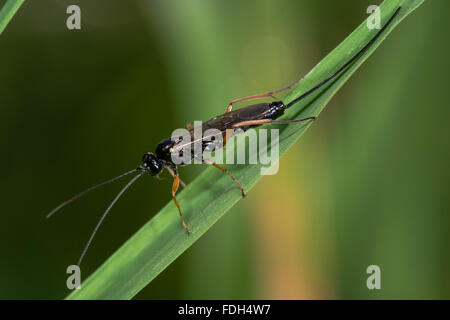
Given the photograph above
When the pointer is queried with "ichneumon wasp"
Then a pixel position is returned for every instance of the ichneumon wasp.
(247, 117)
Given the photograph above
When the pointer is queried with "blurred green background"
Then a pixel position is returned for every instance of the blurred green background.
(367, 184)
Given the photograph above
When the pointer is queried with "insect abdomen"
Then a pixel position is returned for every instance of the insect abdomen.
(276, 110)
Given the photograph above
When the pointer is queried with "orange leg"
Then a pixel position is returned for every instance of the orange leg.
(176, 182)
(261, 95)
(228, 173)
(267, 121)
(228, 135)
(173, 175)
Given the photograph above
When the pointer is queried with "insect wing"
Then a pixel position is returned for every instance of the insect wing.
(225, 121)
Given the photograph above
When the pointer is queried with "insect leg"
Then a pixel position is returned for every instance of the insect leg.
(227, 172)
(262, 95)
(181, 181)
(227, 136)
(176, 182)
(269, 121)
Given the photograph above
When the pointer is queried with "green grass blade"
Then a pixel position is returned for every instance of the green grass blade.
(160, 241)
(8, 11)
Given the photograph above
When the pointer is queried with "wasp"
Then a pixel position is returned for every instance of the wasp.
(251, 116)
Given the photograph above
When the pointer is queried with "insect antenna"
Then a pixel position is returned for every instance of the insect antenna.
(352, 59)
(106, 212)
(87, 191)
